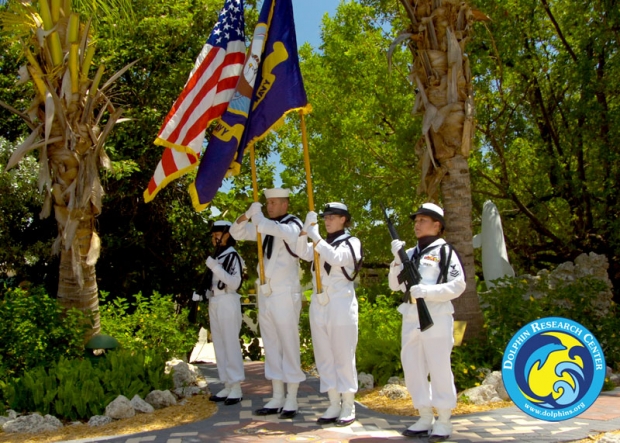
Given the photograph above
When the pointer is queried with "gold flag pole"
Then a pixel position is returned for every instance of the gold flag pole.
(304, 139)
(259, 241)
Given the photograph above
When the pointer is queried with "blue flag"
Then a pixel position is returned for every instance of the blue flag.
(270, 87)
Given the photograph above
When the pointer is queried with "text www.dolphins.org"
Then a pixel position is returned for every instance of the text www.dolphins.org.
(555, 414)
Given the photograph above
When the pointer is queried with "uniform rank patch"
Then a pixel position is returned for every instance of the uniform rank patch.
(454, 272)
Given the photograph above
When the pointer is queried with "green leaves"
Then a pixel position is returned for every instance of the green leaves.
(33, 332)
(148, 323)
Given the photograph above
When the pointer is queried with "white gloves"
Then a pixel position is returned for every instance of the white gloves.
(311, 219)
(417, 291)
(258, 218)
(313, 233)
(254, 208)
(196, 297)
(211, 263)
(397, 245)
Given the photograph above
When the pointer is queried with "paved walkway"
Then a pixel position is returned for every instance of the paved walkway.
(237, 424)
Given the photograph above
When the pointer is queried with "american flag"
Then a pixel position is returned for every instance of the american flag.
(204, 98)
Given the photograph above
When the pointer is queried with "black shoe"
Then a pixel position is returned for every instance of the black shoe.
(436, 438)
(414, 434)
(287, 414)
(344, 422)
(232, 401)
(326, 421)
(215, 398)
(267, 411)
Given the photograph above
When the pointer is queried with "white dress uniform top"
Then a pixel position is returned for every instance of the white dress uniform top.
(428, 352)
(225, 315)
(334, 315)
(278, 313)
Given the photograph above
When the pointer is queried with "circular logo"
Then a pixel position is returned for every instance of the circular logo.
(553, 369)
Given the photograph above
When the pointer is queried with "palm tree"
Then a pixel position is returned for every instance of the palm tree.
(437, 37)
(70, 118)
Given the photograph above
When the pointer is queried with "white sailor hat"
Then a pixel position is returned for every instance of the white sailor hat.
(276, 193)
(337, 209)
(221, 226)
(432, 210)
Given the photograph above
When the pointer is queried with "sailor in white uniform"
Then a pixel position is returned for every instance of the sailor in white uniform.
(224, 280)
(333, 311)
(279, 298)
(428, 353)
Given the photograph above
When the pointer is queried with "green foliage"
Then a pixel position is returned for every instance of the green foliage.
(305, 334)
(148, 323)
(379, 337)
(26, 240)
(75, 389)
(470, 363)
(514, 302)
(33, 330)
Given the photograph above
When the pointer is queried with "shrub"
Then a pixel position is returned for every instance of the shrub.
(511, 304)
(470, 363)
(148, 323)
(74, 388)
(378, 348)
(305, 334)
(34, 331)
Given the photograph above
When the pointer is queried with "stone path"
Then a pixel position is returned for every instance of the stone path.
(237, 424)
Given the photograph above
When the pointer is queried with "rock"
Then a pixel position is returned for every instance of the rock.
(593, 265)
(140, 405)
(610, 438)
(495, 379)
(396, 381)
(99, 420)
(365, 381)
(120, 408)
(53, 421)
(183, 374)
(32, 424)
(394, 392)
(12, 414)
(481, 395)
(3, 420)
(187, 391)
(615, 379)
(160, 399)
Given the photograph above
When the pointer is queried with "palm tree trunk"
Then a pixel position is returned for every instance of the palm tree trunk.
(437, 38)
(77, 284)
(456, 192)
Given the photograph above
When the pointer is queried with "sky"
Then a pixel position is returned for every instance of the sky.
(308, 16)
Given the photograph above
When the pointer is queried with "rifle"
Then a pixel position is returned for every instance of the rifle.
(207, 277)
(410, 276)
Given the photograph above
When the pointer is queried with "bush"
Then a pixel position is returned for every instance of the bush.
(33, 330)
(305, 334)
(148, 323)
(470, 363)
(75, 389)
(511, 304)
(378, 347)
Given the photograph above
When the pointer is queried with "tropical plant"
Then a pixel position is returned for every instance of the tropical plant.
(70, 117)
(149, 323)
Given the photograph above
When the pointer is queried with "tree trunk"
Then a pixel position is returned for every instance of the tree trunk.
(438, 35)
(456, 192)
(77, 285)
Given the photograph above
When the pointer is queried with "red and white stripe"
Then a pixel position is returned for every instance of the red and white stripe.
(204, 98)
